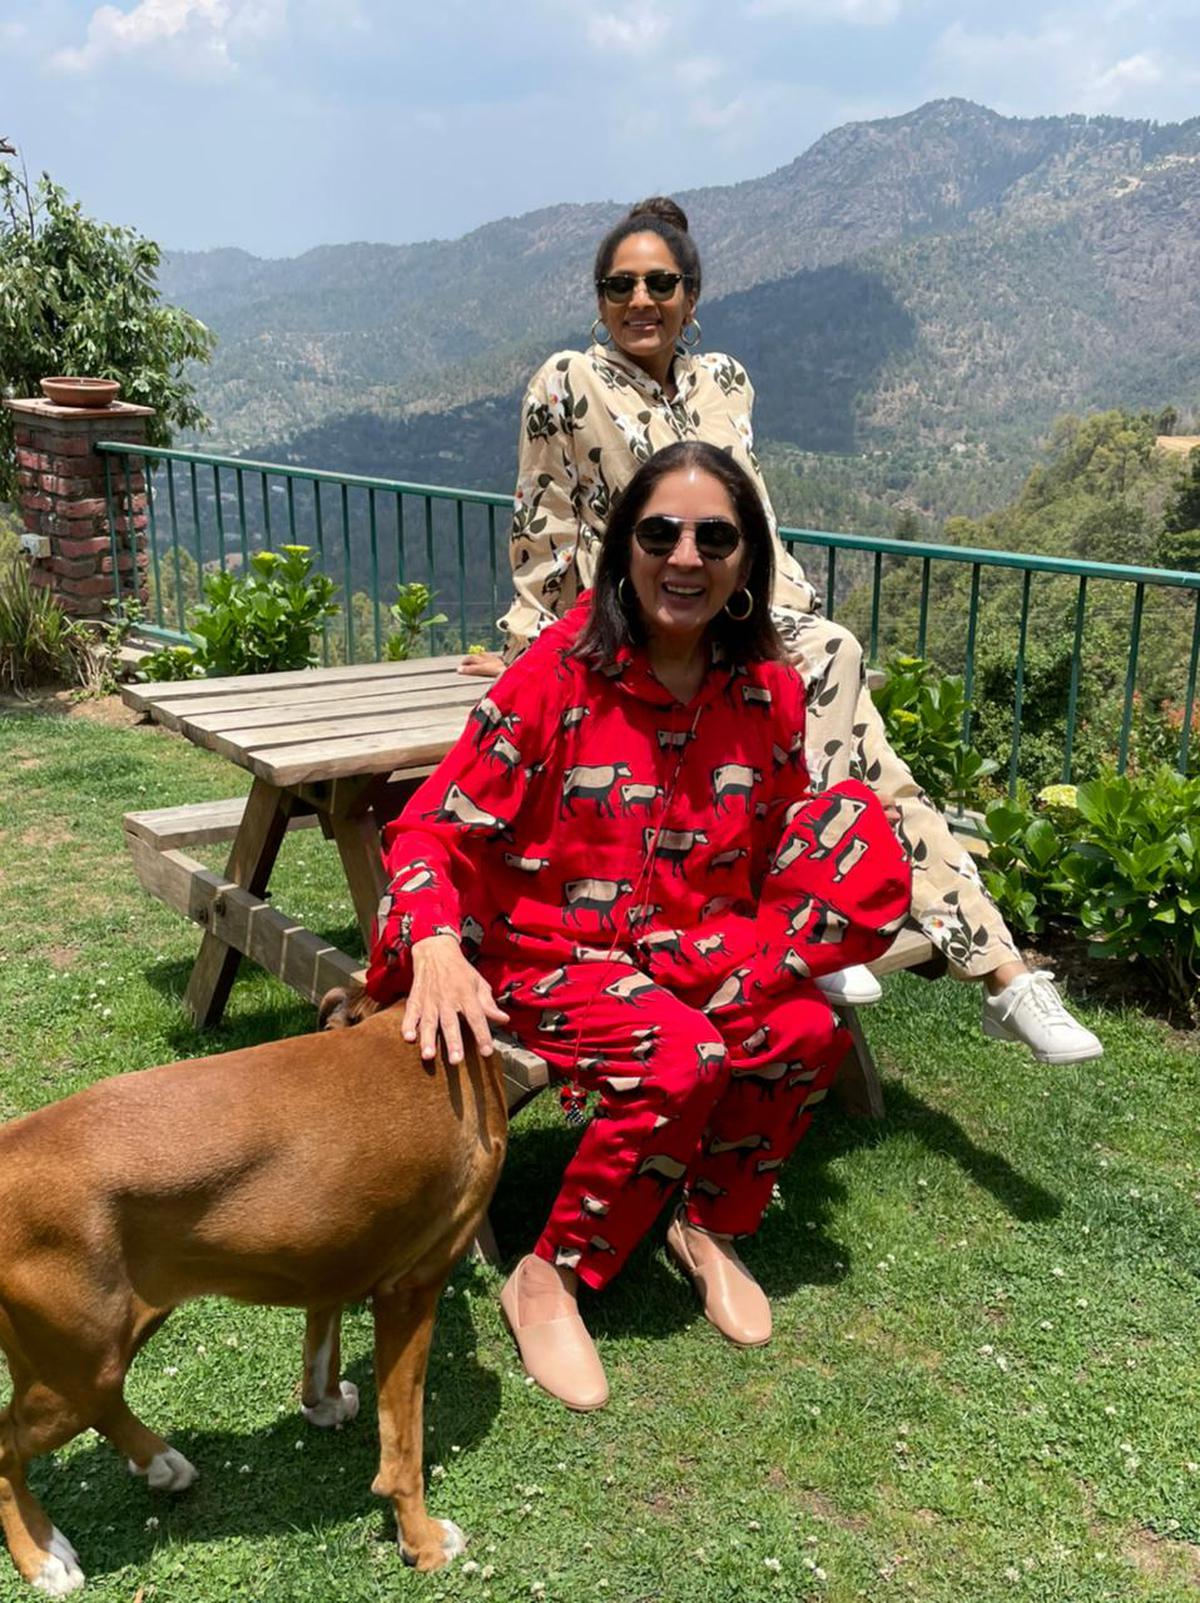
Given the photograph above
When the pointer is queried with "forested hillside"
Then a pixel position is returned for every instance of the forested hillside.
(916, 298)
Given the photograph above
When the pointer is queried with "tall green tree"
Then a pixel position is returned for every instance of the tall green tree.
(79, 296)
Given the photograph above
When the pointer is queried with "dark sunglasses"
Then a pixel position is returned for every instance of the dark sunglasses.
(716, 538)
(619, 287)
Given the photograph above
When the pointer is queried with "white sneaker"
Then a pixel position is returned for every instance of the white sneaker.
(856, 986)
(1029, 1010)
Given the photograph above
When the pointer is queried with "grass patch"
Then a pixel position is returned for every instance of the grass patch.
(981, 1386)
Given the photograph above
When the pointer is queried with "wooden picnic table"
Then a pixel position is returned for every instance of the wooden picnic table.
(344, 748)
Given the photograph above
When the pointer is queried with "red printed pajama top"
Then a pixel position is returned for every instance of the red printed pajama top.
(585, 812)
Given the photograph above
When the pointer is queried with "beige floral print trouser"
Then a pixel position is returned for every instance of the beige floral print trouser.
(845, 738)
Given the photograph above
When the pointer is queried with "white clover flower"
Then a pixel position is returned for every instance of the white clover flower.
(773, 1565)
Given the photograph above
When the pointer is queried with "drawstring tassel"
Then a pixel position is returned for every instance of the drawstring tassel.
(573, 1100)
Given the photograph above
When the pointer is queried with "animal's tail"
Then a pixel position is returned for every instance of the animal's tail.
(340, 1009)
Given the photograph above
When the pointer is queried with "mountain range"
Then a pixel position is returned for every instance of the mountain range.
(934, 287)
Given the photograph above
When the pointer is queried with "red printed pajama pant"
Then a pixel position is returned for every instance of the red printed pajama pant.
(714, 1099)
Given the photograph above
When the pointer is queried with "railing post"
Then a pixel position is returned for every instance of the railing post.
(61, 499)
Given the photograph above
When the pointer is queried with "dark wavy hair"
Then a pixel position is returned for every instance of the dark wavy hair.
(655, 215)
(614, 624)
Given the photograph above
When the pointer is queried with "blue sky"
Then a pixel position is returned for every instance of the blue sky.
(277, 125)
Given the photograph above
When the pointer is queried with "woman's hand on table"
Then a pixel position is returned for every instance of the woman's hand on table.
(482, 665)
(445, 989)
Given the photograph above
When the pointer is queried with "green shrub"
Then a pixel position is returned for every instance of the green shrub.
(1132, 875)
(922, 712)
(168, 663)
(263, 621)
(1021, 870)
(408, 615)
(39, 643)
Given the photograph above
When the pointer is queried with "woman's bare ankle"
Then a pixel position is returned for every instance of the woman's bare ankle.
(1004, 975)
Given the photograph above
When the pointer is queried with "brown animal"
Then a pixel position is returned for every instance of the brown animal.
(307, 1172)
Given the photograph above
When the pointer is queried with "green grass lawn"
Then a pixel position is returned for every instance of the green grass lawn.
(982, 1386)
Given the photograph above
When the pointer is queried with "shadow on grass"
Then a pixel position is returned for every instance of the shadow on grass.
(272, 1480)
(793, 1248)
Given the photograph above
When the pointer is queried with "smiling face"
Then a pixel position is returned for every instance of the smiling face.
(680, 594)
(647, 330)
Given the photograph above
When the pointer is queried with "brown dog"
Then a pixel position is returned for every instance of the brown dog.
(221, 1176)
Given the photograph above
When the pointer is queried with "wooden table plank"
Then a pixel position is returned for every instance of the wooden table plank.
(223, 719)
(309, 761)
(151, 697)
(249, 748)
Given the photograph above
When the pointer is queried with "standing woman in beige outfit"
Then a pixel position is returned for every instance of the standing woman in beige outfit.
(589, 420)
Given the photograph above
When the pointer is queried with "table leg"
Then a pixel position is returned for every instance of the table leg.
(255, 848)
(357, 840)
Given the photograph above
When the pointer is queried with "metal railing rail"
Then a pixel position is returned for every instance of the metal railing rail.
(381, 531)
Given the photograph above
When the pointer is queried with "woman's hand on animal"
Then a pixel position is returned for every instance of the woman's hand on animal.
(445, 989)
(482, 665)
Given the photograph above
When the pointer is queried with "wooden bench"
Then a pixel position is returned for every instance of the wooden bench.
(220, 906)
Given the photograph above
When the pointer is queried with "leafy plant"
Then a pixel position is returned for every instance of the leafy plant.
(922, 711)
(265, 620)
(79, 296)
(409, 615)
(169, 663)
(1133, 874)
(39, 643)
(1020, 873)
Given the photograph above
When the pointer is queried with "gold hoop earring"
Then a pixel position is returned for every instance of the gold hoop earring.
(691, 327)
(740, 617)
(623, 593)
(597, 337)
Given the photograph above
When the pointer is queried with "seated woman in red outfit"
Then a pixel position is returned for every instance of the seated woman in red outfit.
(625, 841)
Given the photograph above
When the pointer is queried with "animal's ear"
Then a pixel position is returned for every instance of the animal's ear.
(340, 1009)
(332, 1011)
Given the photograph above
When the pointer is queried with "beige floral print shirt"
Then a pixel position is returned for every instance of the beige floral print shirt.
(589, 420)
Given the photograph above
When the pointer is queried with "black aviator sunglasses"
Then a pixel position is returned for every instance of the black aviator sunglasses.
(716, 538)
(618, 288)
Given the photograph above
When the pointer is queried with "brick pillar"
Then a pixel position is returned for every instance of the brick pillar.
(61, 499)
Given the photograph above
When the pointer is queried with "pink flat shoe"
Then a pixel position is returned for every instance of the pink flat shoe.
(558, 1353)
(730, 1297)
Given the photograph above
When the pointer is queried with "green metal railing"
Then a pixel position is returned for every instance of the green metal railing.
(206, 512)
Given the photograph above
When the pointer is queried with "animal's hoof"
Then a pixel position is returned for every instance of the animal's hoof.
(60, 1575)
(332, 1411)
(168, 1471)
(453, 1543)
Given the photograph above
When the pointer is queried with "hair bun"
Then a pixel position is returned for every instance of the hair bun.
(662, 207)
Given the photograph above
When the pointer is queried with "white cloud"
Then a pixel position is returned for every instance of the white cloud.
(632, 29)
(200, 36)
(864, 13)
(1066, 63)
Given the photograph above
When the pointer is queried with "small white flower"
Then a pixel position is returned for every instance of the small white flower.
(1046, 1324)
(537, 1589)
(922, 1183)
(1109, 1409)
(470, 1568)
(1058, 1272)
(773, 1565)
(152, 1523)
(986, 1350)
(171, 1369)
(1081, 1302)
(245, 1470)
(455, 1448)
(299, 1447)
(753, 1525)
(487, 1572)
(819, 1573)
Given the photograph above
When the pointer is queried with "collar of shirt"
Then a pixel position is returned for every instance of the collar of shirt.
(685, 369)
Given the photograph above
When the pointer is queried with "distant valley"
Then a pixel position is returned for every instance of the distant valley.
(916, 299)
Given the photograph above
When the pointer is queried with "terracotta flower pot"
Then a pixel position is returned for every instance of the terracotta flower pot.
(81, 391)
